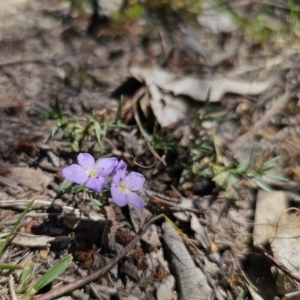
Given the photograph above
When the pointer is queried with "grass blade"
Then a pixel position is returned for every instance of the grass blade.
(13, 230)
(53, 273)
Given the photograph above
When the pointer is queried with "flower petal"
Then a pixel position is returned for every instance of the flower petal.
(134, 181)
(75, 173)
(119, 173)
(86, 160)
(105, 166)
(118, 196)
(96, 184)
(135, 199)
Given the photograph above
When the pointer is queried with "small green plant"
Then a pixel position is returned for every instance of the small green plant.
(203, 149)
(3, 244)
(229, 177)
(294, 12)
(27, 286)
(164, 141)
(76, 130)
(77, 77)
(259, 28)
(207, 160)
(188, 7)
(130, 13)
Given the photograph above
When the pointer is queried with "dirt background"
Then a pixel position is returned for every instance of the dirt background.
(166, 61)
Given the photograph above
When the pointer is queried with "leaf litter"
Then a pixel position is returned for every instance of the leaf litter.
(203, 126)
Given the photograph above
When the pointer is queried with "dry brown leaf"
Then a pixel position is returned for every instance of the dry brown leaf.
(286, 243)
(269, 207)
(167, 108)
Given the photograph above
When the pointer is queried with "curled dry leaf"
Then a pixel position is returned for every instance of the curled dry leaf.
(191, 282)
(200, 233)
(286, 242)
(269, 207)
(167, 108)
(197, 88)
(215, 88)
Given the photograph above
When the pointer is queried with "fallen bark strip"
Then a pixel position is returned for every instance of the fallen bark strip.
(68, 211)
(83, 281)
(192, 283)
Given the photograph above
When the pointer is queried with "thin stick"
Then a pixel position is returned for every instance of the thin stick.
(11, 288)
(83, 281)
(280, 266)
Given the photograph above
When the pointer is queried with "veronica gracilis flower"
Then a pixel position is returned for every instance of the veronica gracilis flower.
(123, 186)
(90, 173)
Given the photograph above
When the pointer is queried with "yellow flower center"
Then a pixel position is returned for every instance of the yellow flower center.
(122, 187)
(92, 174)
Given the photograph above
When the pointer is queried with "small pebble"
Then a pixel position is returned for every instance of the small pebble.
(54, 159)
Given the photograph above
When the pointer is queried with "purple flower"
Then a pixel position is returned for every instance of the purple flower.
(123, 187)
(89, 173)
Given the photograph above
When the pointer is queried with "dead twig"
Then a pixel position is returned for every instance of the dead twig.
(280, 266)
(159, 201)
(83, 281)
(9, 182)
(151, 193)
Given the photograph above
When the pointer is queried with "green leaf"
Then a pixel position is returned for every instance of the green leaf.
(24, 287)
(119, 111)
(53, 273)
(75, 120)
(65, 185)
(75, 146)
(262, 185)
(98, 135)
(13, 230)
(78, 188)
(231, 182)
(277, 177)
(245, 165)
(43, 113)
(55, 129)
(241, 296)
(268, 165)
(96, 201)
(122, 126)
(221, 179)
(26, 278)
(58, 109)
(27, 272)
